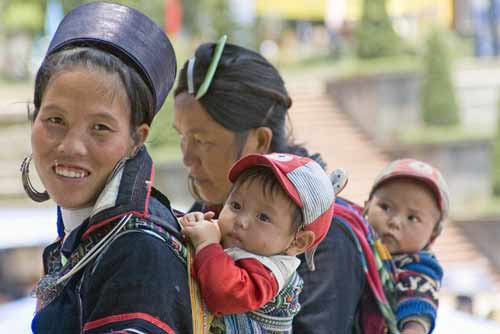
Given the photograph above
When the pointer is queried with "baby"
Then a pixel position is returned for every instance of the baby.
(280, 205)
(407, 206)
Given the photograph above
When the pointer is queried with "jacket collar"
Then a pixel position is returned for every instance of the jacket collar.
(127, 191)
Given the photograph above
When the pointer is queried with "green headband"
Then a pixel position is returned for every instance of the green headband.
(210, 72)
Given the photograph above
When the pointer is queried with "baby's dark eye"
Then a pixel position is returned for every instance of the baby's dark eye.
(235, 205)
(413, 219)
(385, 207)
(263, 217)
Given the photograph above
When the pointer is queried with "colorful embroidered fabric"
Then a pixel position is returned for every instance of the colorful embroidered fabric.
(376, 260)
(274, 317)
(48, 288)
(419, 280)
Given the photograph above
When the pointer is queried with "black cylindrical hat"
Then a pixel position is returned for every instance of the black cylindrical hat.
(126, 33)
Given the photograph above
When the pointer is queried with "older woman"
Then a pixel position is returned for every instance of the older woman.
(230, 102)
(116, 266)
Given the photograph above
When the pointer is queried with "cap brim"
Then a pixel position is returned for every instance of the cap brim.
(261, 160)
(424, 179)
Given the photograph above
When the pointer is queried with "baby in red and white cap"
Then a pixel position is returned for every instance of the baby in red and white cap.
(281, 205)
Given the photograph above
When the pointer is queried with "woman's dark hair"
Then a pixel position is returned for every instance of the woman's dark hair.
(139, 95)
(246, 92)
(270, 188)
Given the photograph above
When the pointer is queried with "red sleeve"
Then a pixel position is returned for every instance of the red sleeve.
(229, 287)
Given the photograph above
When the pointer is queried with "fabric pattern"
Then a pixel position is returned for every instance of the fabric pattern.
(282, 266)
(375, 269)
(419, 279)
(315, 193)
(274, 317)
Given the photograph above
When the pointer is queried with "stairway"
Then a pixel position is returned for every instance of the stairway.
(322, 128)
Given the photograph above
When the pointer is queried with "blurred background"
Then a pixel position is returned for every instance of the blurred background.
(371, 81)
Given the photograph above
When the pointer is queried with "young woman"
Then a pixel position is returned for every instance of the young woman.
(230, 102)
(115, 267)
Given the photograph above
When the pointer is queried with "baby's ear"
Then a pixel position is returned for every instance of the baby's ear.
(303, 240)
(433, 237)
(365, 208)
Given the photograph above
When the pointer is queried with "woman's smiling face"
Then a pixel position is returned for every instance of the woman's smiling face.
(80, 132)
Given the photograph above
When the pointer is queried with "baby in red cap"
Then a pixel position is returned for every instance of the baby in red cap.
(407, 207)
(281, 205)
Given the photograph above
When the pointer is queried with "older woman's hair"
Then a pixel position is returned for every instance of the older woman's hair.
(246, 92)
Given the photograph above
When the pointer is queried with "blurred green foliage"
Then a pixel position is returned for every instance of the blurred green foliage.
(202, 19)
(29, 15)
(152, 8)
(221, 17)
(207, 20)
(438, 100)
(22, 16)
(375, 36)
(163, 141)
(496, 158)
(442, 134)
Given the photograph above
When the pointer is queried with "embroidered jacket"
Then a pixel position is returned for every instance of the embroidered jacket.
(254, 294)
(418, 281)
(121, 271)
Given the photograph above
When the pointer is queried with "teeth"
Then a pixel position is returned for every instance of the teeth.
(70, 173)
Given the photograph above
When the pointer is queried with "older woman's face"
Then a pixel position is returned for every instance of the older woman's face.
(81, 131)
(208, 149)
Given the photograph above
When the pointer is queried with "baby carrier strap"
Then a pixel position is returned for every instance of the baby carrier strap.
(375, 309)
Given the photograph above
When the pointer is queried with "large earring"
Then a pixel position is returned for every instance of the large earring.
(34, 194)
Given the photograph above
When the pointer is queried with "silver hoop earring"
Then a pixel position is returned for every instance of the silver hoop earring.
(34, 194)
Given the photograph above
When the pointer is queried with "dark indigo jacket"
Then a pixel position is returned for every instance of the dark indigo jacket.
(332, 293)
(136, 284)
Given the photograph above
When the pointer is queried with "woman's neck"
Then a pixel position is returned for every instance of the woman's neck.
(72, 218)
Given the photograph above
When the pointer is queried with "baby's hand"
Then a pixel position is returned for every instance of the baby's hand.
(413, 327)
(200, 229)
(191, 218)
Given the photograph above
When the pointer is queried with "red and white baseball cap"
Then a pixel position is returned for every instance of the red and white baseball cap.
(419, 170)
(305, 182)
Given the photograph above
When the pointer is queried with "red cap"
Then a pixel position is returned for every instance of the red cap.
(416, 169)
(305, 182)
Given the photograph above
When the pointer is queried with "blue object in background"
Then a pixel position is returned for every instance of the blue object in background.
(53, 17)
(486, 22)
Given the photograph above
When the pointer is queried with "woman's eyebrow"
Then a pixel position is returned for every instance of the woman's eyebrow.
(104, 114)
(51, 107)
(193, 131)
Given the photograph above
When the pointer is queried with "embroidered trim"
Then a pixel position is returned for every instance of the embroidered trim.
(53, 283)
(125, 317)
(202, 318)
